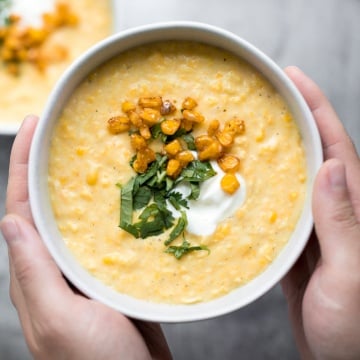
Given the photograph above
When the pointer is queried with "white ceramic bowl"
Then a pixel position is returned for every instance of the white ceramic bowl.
(38, 187)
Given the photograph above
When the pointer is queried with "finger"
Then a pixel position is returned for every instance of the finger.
(39, 279)
(19, 302)
(337, 227)
(17, 193)
(336, 142)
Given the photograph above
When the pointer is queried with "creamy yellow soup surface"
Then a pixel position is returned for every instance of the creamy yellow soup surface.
(86, 162)
(27, 91)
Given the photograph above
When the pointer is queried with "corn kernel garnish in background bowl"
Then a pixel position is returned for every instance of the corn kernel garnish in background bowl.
(38, 40)
(184, 192)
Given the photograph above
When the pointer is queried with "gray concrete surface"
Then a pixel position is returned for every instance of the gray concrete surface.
(320, 36)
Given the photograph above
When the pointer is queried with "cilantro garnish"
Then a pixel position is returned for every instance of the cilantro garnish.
(145, 198)
(184, 248)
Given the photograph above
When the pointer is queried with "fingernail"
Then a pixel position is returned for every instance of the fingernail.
(9, 229)
(337, 175)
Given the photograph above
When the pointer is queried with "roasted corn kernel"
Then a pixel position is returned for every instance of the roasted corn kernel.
(171, 126)
(139, 166)
(187, 125)
(235, 126)
(145, 132)
(173, 147)
(154, 102)
(229, 183)
(127, 106)
(189, 103)
(150, 116)
(225, 138)
(185, 157)
(209, 148)
(229, 163)
(173, 168)
(118, 124)
(137, 142)
(135, 118)
(193, 116)
(143, 158)
(213, 127)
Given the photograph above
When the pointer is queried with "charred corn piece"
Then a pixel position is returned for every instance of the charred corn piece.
(173, 168)
(118, 124)
(209, 148)
(185, 157)
(226, 138)
(150, 116)
(135, 118)
(173, 148)
(167, 108)
(213, 127)
(153, 102)
(127, 106)
(235, 126)
(193, 116)
(229, 163)
(145, 132)
(171, 126)
(137, 142)
(189, 103)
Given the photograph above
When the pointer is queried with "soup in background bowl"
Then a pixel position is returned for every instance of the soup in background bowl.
(185, 249)
(38, 41)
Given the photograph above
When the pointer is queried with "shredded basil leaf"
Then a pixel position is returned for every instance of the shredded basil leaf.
(142, 197)
(190, 141)
(184, 248)
(126, 209)
(197, 171)
(176, 200)
(178, 229)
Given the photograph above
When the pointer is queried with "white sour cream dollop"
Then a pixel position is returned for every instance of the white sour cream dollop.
(31, 12)
(213, 204)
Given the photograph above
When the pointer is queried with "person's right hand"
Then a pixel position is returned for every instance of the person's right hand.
(323, 288)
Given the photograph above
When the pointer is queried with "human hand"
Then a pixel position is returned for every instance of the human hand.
(57, 321)
(323, 288)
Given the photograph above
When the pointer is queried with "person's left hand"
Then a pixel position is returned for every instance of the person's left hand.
(58, 322)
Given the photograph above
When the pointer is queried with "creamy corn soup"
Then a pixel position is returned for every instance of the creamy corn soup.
(87, 161)
(24, 88)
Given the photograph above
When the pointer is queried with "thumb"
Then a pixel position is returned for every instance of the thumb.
(39, 279)
(337, 227)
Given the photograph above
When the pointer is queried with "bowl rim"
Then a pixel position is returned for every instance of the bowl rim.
(40, 203)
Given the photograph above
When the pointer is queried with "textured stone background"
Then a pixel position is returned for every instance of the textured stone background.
(320, 36)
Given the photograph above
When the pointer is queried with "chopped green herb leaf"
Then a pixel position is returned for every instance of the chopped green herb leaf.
(142, 197)
(184, 248)
(126, 209)
(178, 229)
(190, 141)
(197, 171)
(176, 200)
(195, 191)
